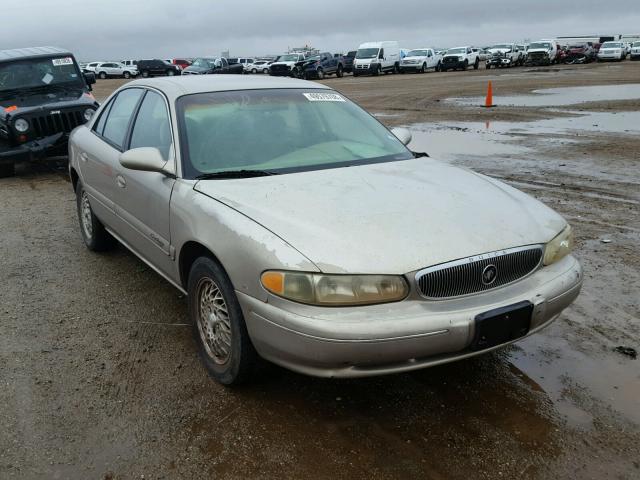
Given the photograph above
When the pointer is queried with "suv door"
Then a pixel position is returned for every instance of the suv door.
(99, 157)
(143, 198)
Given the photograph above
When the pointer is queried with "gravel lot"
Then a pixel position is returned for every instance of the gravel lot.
(100, 377)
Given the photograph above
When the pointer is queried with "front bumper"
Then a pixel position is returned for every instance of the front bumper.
(33, 150)
(452, 64)
(365, 69)
(499, 61)
(609, 56)
(397, 337)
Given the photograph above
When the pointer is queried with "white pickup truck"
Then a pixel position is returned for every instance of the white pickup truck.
(420, 60)
(503, 55)
(460, 58)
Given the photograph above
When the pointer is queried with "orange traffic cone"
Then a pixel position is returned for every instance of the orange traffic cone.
(488, 103)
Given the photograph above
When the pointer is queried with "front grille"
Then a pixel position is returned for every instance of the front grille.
(450, 60)
(279, 68)
(65, 121)
(467, 276)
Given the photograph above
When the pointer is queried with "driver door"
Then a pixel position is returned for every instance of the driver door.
(142, 203)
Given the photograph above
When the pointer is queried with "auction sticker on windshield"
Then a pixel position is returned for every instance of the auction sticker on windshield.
(59, 62)
(323, 97)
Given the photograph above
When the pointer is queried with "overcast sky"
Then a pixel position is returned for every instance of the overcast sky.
(123, 29)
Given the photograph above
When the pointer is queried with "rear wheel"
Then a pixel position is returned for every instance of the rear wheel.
(7, 169)
(95, 237)
(218, 324)
(339, 72)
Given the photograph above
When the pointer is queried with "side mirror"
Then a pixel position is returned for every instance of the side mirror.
(89, 78)
(144, 159)
(402, 134)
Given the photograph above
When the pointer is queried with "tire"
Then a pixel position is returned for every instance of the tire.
(476, 64)
(339, 72)
(145, 74)
(320, 74)
(438, 67)
(95, 237)
(466, 65)
(102, 75)
(378, 70)
(126, 75)
(218, 324)
(254, 70)
(7, 169)
(488, 66)
(170, 72)
(265, 71)
(423, 68)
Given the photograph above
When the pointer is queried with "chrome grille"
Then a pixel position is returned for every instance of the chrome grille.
(465, 276)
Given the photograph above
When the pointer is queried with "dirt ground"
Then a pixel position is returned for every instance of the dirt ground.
(100, 377)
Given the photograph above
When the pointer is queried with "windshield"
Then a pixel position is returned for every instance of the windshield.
(40, 72)
(204, 62)
(417, 53)
(279, 131)
(636, 44)
(545, 45)
(367, 53)
(289, 58)
(501, 47)
(611, 45)
(454, 51)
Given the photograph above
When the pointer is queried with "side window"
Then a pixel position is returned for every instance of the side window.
(117, 123)
(99, 126)
(152, 128)
(381, 55)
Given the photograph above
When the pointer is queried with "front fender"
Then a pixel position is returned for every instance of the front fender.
(244, 247)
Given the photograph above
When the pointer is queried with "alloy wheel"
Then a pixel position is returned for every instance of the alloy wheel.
(213, 321)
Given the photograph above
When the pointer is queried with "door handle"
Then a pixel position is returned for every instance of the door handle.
(84, 157)
(120, 181)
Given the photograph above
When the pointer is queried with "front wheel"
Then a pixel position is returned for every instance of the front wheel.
(488, 67)
(95, 237)
(339, 72)
(171, 73)
(218, 324)
(476, 64)
(423, 68)
(320, 74)
(439, 67)
(102, 75)
(126, 75)
(144, 74)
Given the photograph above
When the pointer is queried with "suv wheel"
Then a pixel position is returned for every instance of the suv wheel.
(476, 64)
(218, 324)
(7, 169)
(265, 71)
(423, 68)
(171, 72)
(254, 70)
(144, 73)
(102, 75)
(95, 237)
(320, 74)
(126, 75)
(339, 72)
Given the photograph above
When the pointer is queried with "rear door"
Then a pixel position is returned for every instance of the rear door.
(99, 153)
(142, 203)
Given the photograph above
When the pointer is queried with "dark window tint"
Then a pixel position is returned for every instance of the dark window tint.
(152, 125)
(117, 122)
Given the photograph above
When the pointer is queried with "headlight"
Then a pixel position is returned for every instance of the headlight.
(88, 114)
(335, 290)
(559, 247)
(21, 125)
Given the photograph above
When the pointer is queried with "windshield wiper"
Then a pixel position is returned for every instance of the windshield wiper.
(235, 174)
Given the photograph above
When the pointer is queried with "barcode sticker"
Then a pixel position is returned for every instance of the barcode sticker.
(59, 62)
(324, 97)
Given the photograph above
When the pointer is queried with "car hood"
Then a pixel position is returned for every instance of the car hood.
(498, 50)
(390, 218)
(539, 50)
(196, 69)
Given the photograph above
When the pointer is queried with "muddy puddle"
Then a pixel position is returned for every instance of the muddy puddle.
(447, 140)
(554, 97)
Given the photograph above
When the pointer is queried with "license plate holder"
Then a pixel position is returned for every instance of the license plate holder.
(502, 325)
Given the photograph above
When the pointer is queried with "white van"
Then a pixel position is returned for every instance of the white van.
(376, 57)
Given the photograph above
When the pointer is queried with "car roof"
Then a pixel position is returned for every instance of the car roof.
(178, 86)
(31, 52)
